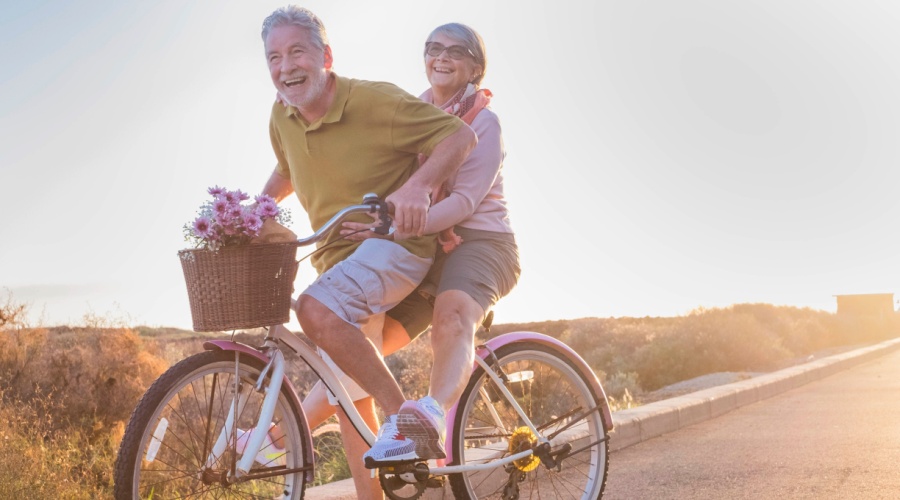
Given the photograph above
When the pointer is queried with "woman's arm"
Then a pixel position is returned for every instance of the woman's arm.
(475, 178)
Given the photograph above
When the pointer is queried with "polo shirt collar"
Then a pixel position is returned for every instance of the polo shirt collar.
(341, 95)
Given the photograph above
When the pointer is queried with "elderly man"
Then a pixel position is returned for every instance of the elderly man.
(336, 140)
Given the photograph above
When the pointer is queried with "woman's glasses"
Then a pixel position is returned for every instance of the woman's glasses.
(456, 52)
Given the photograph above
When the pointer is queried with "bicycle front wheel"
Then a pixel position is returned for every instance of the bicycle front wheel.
(178, 445)
(560, 403)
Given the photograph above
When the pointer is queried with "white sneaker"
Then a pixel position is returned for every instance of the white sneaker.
(270, 454)
(424, 422)
(391, 447)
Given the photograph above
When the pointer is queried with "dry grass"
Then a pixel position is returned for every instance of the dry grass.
(41, 460)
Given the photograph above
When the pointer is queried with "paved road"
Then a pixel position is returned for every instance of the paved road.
(835, 438)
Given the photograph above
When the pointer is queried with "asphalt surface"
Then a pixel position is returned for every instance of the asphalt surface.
(834, 438)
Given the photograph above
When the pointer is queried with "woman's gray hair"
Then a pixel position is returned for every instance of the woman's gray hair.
(469, 39)
(297, 16)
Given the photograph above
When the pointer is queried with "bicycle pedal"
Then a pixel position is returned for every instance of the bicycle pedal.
(435, 482)
(392, 466)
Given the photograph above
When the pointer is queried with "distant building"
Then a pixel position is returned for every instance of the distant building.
(866, 304)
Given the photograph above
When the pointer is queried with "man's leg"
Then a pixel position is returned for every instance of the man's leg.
(367, 487)
(349, 348)
(335, 308)
(316, 404)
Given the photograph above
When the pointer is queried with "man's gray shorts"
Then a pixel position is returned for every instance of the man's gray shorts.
(359, 289)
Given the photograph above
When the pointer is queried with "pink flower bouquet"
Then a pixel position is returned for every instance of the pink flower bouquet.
(225, 221)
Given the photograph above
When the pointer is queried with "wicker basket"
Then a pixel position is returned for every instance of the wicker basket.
(243, 286)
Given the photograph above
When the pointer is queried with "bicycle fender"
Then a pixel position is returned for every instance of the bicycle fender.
(561, 348)
(230, 345)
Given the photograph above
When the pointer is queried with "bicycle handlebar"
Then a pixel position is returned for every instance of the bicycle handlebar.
(371, 204)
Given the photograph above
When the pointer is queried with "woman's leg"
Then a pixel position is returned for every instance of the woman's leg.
(456, 318)
(316, 406)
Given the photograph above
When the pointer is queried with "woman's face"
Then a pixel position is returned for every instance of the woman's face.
(445, 73)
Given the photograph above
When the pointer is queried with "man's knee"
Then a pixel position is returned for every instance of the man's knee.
(314, 317)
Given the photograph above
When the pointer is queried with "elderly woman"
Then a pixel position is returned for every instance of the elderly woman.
(477, 264)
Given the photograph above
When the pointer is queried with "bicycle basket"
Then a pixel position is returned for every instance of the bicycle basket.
(242, 286)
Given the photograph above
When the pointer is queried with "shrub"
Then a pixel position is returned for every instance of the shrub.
(97, 377)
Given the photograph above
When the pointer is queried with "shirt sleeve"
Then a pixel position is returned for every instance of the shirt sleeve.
(417, 127)
(475, 177)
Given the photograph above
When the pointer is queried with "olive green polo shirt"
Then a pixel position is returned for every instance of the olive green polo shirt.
(367, 142)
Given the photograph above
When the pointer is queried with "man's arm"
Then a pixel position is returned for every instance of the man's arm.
(411, 201)
(278, 186)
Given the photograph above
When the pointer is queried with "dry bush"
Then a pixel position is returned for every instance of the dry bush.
(744, 337)
(96, 376)
(12, 313)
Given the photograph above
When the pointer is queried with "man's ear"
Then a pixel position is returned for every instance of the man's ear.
(329, 60)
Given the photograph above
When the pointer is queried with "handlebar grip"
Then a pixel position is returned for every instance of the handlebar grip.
(384, 215)
(385, 210)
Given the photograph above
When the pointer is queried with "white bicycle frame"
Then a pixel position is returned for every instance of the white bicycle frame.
(311, 357)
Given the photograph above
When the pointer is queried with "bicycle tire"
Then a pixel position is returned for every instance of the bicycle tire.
(556, 396)
(194, 396)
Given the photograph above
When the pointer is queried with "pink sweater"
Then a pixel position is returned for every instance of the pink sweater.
(476, 200)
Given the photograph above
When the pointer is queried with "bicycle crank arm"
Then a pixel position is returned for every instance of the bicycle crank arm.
(272, 472)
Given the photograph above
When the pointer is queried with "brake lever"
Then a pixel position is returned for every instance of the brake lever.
(383, 210)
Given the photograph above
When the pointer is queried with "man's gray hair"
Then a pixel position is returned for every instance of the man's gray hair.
(297, 16)
(470, 39)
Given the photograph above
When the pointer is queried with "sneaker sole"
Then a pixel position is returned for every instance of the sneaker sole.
(371, 463)
(416, 425)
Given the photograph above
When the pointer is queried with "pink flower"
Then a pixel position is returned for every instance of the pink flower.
(236, 196)
(266, 208)
(203, 227)
(234, 211)
(252, 223)
(220, 205)
(216, 191)
(263, 198)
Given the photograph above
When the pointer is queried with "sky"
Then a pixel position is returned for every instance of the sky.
(661, 156)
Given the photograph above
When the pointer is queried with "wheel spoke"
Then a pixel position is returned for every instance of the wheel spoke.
(561, 405)
(195, 397)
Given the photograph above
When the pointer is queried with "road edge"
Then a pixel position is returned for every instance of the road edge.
(644, 422)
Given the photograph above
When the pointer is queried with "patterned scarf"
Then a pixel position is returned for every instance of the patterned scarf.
(466, 104)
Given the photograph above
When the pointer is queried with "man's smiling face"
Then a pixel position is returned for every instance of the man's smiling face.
(298, 67)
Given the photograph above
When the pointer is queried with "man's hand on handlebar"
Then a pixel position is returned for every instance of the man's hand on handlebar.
(410, 209)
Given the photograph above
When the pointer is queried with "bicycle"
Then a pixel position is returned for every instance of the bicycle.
(532, 420)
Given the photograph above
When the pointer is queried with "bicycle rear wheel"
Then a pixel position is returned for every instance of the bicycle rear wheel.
(166, 451)
(562, 406)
